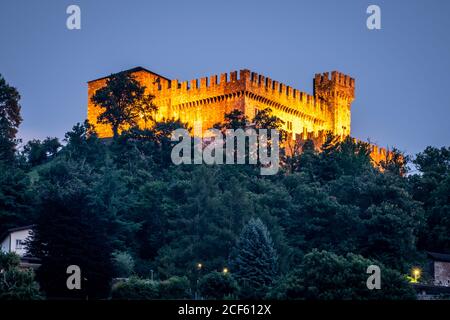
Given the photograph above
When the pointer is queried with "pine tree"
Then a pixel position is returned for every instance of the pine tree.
(255, 260)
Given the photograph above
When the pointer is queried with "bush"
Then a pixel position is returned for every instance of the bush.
(144, 289)
(326, 276)
(8, 261)
(16, 284)
(175, 288)
(123, 264)
(135, 289)
(217, 285)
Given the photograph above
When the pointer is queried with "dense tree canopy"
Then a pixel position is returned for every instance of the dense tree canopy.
(326, 276)
(328, 207)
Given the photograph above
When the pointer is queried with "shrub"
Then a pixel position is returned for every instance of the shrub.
(175, 288)
(217, 285)
(135, 289)
(326, 276)
(16, 284)
(123, 264)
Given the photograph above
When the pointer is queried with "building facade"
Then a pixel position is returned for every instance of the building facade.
(208, 99)
(15, 240)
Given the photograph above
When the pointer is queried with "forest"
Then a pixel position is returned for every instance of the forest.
(140, 227)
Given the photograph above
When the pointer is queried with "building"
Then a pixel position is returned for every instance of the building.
(438, 286)
(208, 99)
(14, 240)
(440, 268)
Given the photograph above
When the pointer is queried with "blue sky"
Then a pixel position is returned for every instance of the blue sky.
(402, 71)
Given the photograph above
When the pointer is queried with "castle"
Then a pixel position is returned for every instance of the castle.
(207, 100)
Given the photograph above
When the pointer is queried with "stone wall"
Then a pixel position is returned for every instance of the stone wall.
(442, 273)
(208, 99)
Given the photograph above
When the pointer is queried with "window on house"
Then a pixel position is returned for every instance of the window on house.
(20, 244)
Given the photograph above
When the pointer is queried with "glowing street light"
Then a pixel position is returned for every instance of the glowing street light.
(225, 270)
(416, 274)
(199, 266)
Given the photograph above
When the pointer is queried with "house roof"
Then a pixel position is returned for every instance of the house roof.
(9, 231)
(135, 69)
(21, 228)
(439, 256)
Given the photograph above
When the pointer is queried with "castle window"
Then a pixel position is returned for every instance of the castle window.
(289, 125)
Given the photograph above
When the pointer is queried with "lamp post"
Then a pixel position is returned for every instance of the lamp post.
(199, 269)
(416, 274)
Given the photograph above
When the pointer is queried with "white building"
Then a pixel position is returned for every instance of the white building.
(15, 241)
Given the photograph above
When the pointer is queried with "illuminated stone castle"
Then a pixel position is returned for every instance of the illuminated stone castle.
(208, 99)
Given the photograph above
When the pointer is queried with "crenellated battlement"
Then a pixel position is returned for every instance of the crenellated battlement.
(337, 77)
(245, 90)
(208, 99)
(244, 79)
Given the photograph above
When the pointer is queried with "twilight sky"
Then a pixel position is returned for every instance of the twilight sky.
(402, 71)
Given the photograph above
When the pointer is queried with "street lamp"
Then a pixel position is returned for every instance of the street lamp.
(199, 269)
(225, 270)
(416, 274)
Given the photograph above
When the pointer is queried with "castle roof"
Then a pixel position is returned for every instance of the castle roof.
(135, 69)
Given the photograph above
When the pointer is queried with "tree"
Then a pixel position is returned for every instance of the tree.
(124, 103)
(346, 157)
(264, 119)
(83, 145)
(432, 188)
(37, 152)
(326, 276)
(16, 284)
(69, 230)
(235, 119)
(396, 162)
(16, 198)
(318, 220)
(123, 264)
(218, 285)
(254, 262)
(10, 120)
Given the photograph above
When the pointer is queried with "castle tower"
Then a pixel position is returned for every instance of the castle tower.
(338, 94)
(208, 99)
